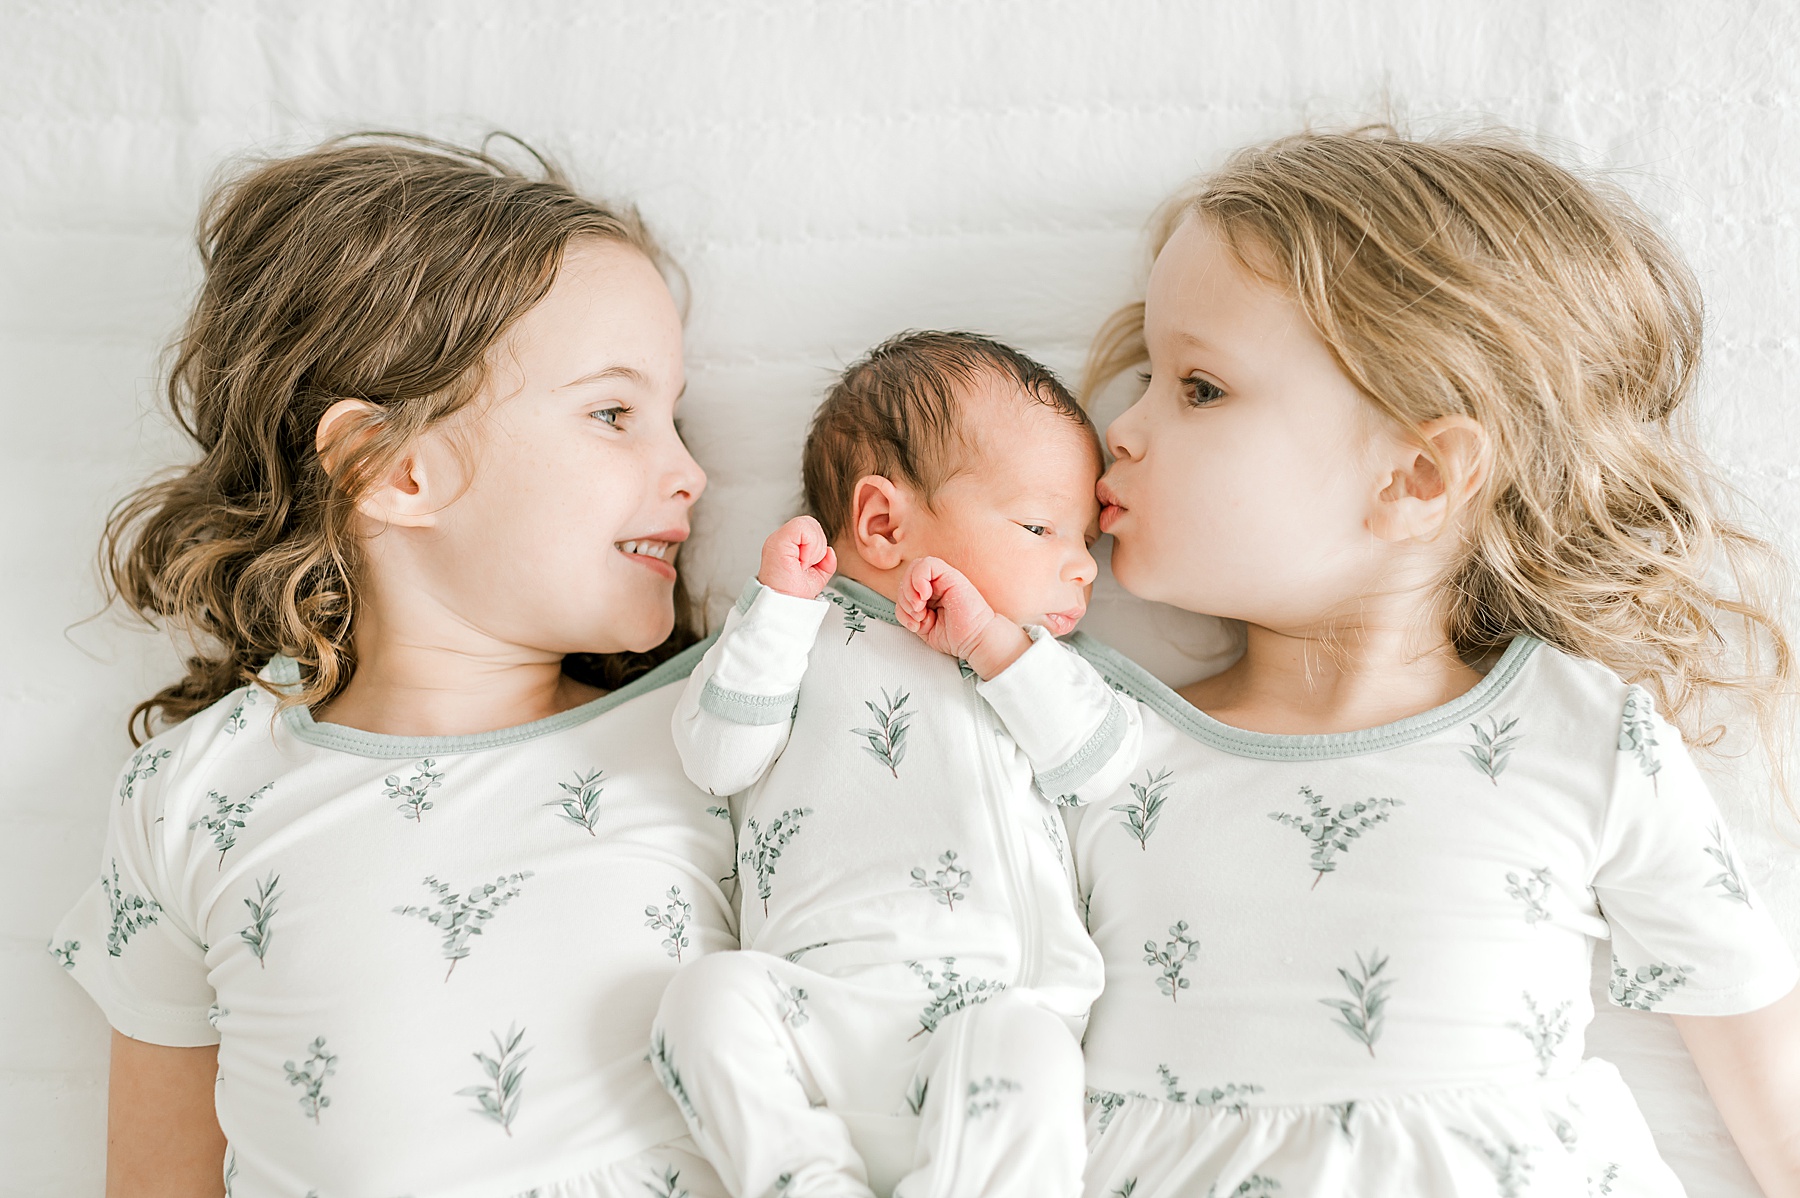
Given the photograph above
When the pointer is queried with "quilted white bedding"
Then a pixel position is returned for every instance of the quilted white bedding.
(829, 172)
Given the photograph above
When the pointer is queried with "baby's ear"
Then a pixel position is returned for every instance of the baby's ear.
(412, 488)
(879, 512)
(1427, 477)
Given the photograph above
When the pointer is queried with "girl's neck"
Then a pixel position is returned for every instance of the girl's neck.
(454, 683)
(1336, 680)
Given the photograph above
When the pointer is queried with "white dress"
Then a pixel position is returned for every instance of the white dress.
(1359, 964)
(916, 975)
(430, 964)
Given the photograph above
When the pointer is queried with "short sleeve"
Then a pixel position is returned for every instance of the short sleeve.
(1689, 935)
(126, 940)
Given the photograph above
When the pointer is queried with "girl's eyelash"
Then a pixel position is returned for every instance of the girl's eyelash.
(1202, 391)
(1144, 377)
(617, 412)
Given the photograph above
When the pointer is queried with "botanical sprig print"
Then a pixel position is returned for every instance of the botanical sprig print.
(663, 1064)
(411, 793)
(1146, 806)
(1510, 1162)
(1637, 733)
(915, 1094)
(234, 719)
(950, 993)
(1563, 1130)
(65, 956)
(580, 801)
(1363, 1014)
(1229, 1097)
(1171, 958)
(498, 1098)
(1531, 889)
(1493, 746)
(672, 918)
(1109, 1102)
(262, 913)
(1126, 1188)
(230, 1170)
(1641, 989)
(459, 916)
(1545, 1032)
(790, 1003)
(1344, 1112)
(310, 1077)
(227, 818)
(216, 1014)
(855, 619)
(131, 913)
(1330, 832)
(948, 885)
(1602, 1185)
(986, 1095)
(143, 765)
(766, 845)
(887, 740)
(667, 1185)
(1730, 882)
(1254, 1186)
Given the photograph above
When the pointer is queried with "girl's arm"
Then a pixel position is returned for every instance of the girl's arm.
(1751, 1066)
(162, 1131)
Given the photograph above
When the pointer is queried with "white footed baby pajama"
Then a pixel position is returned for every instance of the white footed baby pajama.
(906, 1014)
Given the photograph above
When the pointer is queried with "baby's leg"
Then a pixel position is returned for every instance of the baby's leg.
(1003, 1108)
(727, 1047)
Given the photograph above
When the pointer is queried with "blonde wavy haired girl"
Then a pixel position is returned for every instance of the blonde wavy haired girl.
(389, 907)
(1411, 413)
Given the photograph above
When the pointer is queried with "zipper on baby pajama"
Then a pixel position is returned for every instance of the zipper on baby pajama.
(1006, 836)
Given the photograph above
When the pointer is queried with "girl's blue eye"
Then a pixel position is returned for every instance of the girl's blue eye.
(610, 416)
(1201, 391)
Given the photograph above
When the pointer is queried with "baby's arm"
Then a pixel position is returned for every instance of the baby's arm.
(737, 709)
(162, 1135)
(1751, 1066)
(1080, 739)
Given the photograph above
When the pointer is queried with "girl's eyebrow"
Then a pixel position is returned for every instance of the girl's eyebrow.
(628, 373)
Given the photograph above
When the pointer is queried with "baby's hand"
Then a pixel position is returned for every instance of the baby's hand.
(797, 560)
(946, 611)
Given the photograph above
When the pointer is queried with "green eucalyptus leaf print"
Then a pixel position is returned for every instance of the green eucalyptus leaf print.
(887, 740)
(1126, 1188)
(228, 817)
(1494, 745)
(949, 884)
(855, 619)
(580, 801)
(1563, 1130)
(1510, 1162)
(718, 811)
(234, 719)
(915, 1094)
(311, 1076)
(1229, 1097)
(950, 993)
(1173, 956)
(216, 1014)
(230, 1170)
(1364, 1013)
(790, 1003)
(667, 1184)
(1109, 1102)
(1533, 890)
(672, 918)
(663, 1064)
(1254, 1186)
(262, 913)
(1637, 733)
(458, 916)
(766, 845)
(1545, 1032)
(143, 765)
(1344, 1112)
(410, 794)
(1601, 1184)
(498, 1098)
(131, 913)
(1730, 882)
(65, 956)
(1330, 832)
(988, 1094)
(1643, 988)
(1146, 806)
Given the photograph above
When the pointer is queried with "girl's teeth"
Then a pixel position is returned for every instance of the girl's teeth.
(655, 549)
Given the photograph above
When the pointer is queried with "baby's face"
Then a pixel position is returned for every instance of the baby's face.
(1019, 518)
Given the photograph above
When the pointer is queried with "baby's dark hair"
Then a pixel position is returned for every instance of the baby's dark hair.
(897, 413)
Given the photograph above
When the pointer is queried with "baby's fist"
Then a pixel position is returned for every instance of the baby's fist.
(797, 560)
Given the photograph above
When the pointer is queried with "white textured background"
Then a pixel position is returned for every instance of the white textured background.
(829, 173)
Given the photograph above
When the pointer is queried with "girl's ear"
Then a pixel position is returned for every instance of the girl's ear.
(878, 513)
(409, 494)
(1427, 477)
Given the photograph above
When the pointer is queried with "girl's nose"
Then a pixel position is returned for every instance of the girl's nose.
(1122, 439)
(686, 479)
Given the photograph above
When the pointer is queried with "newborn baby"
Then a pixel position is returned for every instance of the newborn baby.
(907, 1009)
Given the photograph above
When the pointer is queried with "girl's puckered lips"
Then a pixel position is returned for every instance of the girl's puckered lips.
(1110, 507)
